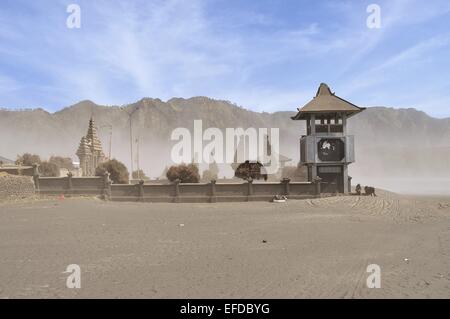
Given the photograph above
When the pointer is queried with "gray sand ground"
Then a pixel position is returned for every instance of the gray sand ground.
(314, 248)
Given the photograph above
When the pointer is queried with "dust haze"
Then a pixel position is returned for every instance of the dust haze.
(401, 150)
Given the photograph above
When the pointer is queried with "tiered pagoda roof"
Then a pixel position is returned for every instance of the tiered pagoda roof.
(83, 149)
(326, 102)
(91, 137)
(90, 143)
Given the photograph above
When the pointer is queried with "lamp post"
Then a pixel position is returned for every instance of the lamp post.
(137, 151)
(130, 114)
(110, 137)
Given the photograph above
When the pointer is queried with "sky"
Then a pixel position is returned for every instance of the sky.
(264, 55)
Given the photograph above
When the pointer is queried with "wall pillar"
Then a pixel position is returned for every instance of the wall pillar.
(309, 171)
(106, 187)
(141, 190)
(286, 182)
(176, 185)
(345, 177)
(249, 189)
(213, 191)
(69, 183)
(36, 176)
(316, 182)
(314, 172)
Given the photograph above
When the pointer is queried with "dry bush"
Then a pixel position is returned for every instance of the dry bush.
(117, 170)
(48, 169)
(62, 162)
(184, 173)
(139, 174)
(28, 159)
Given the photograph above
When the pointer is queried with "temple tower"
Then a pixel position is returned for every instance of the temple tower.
(90, 151)
(326, 149)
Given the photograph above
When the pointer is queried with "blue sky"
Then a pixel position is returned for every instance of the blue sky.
(265, 55)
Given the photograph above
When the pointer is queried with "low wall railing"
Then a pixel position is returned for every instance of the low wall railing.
(175, 192)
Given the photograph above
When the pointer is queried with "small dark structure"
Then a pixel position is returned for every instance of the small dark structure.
(251, 170)
(326, 149)
(282, 160)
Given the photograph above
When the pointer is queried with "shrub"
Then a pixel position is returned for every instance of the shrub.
(28, 159)
(62, 162)
(139, 174)
(211, 173)
(185, 173)
(48, 169)
(117, 170)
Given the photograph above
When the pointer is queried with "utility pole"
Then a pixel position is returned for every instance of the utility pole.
(138, 168)
(131, 144)
(130, 115)
(110, 137)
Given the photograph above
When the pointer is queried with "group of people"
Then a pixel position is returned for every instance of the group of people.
(368, 190)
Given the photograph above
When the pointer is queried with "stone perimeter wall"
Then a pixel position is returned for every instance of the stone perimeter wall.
(175, 192)
(12, 186)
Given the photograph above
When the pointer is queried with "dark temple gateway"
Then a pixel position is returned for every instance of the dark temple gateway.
(326, 149)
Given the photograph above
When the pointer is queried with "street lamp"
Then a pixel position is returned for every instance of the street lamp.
(130, 114)
(110, 137)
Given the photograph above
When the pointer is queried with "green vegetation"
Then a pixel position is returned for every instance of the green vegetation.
(117, 170)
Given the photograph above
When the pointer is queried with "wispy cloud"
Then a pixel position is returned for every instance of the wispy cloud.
(409, 58)
(262, 57)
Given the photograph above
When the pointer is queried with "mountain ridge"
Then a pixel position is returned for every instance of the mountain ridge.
(385, 136)
(86, 102)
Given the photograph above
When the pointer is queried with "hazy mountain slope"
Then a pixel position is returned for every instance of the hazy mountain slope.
(401, 127)
(390, 142)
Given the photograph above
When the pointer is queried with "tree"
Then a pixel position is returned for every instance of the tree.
(117, 170)
(139, 174)
(62, 162)
(208, 176)
(28, 159)
(184, 173)
(211, 173)
(48, 169)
